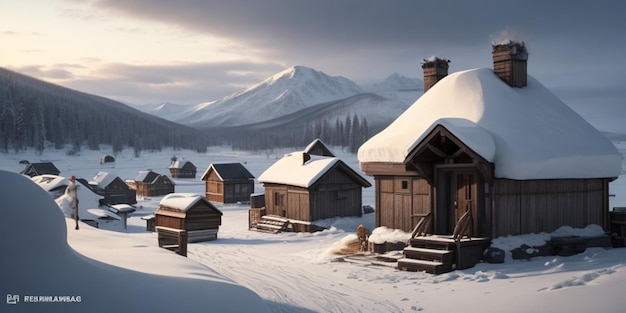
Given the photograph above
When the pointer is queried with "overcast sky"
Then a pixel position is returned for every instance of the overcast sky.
(192, 51)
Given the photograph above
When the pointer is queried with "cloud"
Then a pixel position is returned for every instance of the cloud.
(184, 83)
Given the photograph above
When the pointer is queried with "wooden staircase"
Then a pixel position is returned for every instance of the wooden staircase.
(436, 254)
(272, 224)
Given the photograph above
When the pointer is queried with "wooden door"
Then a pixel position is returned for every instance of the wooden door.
(466, 197)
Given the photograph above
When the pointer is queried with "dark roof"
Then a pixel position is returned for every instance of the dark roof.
(146, 176)
(318, 147)
(40, 169)
(229, 171)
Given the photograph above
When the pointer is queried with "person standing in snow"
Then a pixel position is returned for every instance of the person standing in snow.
(71, 192)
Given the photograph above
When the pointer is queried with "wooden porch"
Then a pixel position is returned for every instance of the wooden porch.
(441, 254)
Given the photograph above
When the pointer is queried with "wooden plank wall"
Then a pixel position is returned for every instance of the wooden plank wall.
(544, 205)
(397, 207)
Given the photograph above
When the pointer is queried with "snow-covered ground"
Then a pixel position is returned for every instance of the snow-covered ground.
(291, 272)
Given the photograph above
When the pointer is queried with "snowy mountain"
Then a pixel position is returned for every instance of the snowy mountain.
(293, 89)
(399, 88)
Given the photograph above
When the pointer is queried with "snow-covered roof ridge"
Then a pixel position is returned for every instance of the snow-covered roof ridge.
(536, 135)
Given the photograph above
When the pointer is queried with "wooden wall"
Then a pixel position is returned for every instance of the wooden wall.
(335, 194)
(533, 206)
(400, 199)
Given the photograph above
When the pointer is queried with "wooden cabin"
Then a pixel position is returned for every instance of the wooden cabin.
(41, 168)
(190, 212)
(113, 188)
(496, 144)
(228, 183)
(149, 183)
(318, 147)
(180, 169)
(305, 188)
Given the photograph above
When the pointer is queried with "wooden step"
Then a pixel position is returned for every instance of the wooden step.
(273, 224)
(412, 265)
(443, 256)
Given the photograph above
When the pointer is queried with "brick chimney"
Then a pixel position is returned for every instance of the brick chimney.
(435, 69)
(510, 62)
(305, 157)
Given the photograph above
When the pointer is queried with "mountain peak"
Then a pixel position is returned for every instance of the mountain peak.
(292, 89)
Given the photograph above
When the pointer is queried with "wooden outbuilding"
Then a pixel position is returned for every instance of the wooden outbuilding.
(149, 183)
(190, 212)
(107, 160)
(40, 168)
(228, 183)
(182, 169)
(305, 188)
(496, 144)
(113, 188)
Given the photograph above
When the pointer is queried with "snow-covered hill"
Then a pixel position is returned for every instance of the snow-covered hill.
(291, 90)
(398, 88)
(163, 110)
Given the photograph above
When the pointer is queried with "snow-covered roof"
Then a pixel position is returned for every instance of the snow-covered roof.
(181, 201)
(49, 181)
(292, 169)
(102, 179)
(534, 135)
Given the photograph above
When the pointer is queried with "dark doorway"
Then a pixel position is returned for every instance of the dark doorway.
(457, 192)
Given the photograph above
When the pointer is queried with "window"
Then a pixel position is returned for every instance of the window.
(405, 184)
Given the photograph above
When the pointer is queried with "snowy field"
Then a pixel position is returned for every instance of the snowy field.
(299, 272)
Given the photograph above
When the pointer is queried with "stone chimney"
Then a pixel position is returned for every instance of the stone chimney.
(435, 69)
(510, 62)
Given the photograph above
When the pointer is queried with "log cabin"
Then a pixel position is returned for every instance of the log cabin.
(495, 143)
(149, 183)
(305, 188)
(180, 169)
(113, 188)
(228, 183)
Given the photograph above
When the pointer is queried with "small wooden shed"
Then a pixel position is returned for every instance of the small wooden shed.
(107, 160)
(113, 188)
(228, 183)
(182, 169)
(306, 188)
(149, 183)
(190, 212)
(41, 168)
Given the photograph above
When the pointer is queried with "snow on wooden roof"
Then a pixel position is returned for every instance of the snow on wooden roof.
(181, 201)
(300, 169)
(102, 179)
(49, 181)
(534, 134)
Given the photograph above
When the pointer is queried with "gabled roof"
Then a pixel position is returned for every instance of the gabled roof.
(303, 170)
(146, 176)
(228, 171)
(42, 168)
(536, 135)
(102, 179)
(318, 147)
(180, 164)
